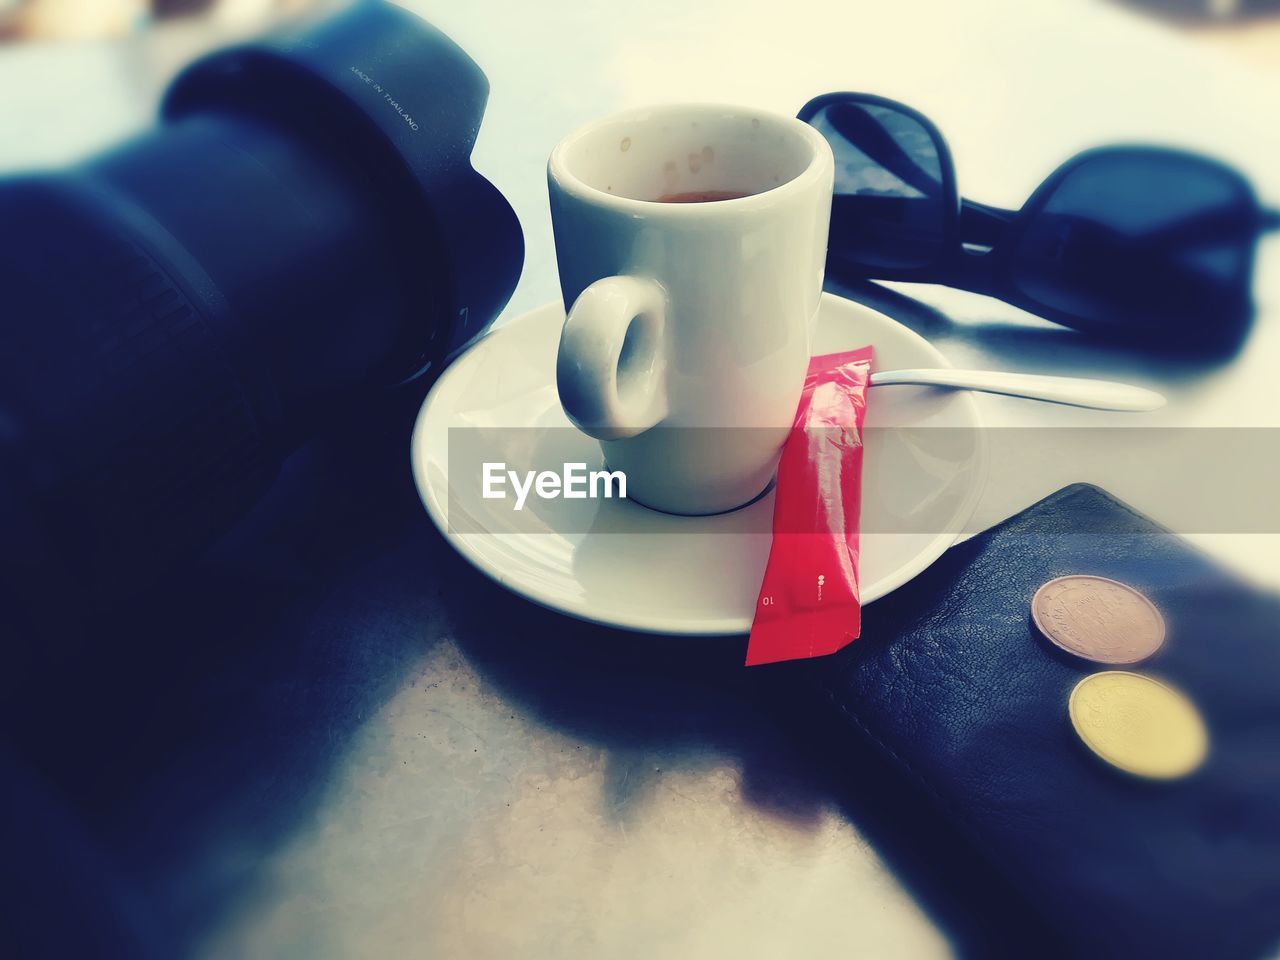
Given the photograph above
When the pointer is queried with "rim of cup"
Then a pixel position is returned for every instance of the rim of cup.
(559, 166)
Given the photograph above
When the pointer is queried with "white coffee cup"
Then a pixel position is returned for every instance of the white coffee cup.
(689, 324)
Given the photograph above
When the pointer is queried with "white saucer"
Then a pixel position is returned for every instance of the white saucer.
(680, 575)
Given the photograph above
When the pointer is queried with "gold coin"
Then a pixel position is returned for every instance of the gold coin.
(1138, 724)
(1098, 619)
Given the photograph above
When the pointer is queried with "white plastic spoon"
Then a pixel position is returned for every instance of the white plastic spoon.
(1098, 394)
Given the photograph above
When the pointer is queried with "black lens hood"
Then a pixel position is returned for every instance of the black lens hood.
(379, 82)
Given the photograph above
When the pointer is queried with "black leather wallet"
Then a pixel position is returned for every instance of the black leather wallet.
(952, 681)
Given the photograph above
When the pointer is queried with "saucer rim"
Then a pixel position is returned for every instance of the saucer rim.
(674, 625)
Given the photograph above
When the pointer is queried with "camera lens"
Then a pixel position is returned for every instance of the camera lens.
(302, 230)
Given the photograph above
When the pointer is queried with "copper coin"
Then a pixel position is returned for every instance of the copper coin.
(1098, 619)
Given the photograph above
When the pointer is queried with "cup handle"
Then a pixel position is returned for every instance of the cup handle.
(612, 367)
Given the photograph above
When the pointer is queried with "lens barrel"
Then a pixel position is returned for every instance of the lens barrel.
(302, 231)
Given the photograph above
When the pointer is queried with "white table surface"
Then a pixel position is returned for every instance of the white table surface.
(461, 822)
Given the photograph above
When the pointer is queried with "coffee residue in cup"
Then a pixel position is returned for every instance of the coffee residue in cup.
(702, 196)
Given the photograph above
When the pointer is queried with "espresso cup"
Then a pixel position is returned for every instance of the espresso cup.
(688, 324)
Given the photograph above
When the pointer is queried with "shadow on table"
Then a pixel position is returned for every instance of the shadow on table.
(1049, 348)
(692, 702)
(1197, 13)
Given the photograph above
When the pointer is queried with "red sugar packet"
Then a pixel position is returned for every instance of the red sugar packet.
(808, 604)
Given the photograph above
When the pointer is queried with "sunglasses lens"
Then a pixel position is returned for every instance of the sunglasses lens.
(890, 205)
(1143, 240)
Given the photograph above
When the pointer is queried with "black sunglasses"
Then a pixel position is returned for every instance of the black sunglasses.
(1126, 241)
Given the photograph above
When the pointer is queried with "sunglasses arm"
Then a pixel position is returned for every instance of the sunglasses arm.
(1270, 220)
